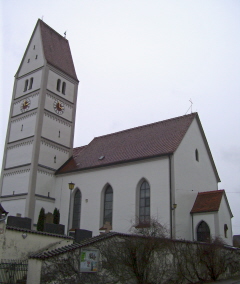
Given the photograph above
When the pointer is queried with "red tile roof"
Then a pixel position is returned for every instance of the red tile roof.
(208, 201)
(148, 141)
(56, 50)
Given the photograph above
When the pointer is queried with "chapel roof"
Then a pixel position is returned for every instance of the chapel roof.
(57, 50)
(144, 142)
(208, 201)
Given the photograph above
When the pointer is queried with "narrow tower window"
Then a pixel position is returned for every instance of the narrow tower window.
(196, 155)
(63, 87)
(58, 85)
(22, 128)
(30, 84)
(59, 134)
(55, 159)
(36, 57)
(26, 86)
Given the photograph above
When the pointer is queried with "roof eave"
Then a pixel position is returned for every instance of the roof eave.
(111, 164)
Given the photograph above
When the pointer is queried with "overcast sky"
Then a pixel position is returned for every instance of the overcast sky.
(141, 61)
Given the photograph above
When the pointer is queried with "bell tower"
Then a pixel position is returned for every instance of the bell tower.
(41, 124)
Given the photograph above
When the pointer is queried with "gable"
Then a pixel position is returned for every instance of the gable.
(50, 47)
(33, 57)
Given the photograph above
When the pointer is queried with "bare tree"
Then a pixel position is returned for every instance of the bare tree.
(142, 257)
(205, 261)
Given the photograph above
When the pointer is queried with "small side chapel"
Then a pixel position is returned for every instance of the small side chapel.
(164, 170)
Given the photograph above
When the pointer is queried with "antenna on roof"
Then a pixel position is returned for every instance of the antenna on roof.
(190, 106)
(65, 34)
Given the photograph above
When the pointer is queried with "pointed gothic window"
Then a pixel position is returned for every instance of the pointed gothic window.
(58, 85)
(63, 88)
(144, 203)
(30, 84)
(203, 232)
(26, 85)
(76, 210)
(108, 202)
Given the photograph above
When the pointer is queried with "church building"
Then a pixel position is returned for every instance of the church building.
(164, 170)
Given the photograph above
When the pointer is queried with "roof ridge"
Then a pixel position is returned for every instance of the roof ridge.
(145, 125)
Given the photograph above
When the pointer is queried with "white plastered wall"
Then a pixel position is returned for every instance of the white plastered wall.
(51, 128)
(45, 183)
(16, 182)
(15, 206)
(225, 218)
(22, 127)
(47, 154)
(20, 154)
(14, 246)
(124, 180)
(191, 177)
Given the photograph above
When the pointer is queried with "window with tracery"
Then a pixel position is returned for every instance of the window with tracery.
(144, 203)
(108, 205)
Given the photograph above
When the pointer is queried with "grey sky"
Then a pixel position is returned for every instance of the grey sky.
(140, 61)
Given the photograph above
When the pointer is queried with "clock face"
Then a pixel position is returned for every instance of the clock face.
(58, 107)
(25, 105)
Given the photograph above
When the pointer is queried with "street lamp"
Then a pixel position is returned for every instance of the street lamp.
(71, 187)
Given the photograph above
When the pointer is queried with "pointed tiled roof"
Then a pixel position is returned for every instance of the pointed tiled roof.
(148, 141)
(208, 201)
(56, 50)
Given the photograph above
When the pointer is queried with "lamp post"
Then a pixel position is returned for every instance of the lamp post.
(71, 187)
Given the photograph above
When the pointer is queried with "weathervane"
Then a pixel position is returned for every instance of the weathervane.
(65, 34)
(190, 106)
